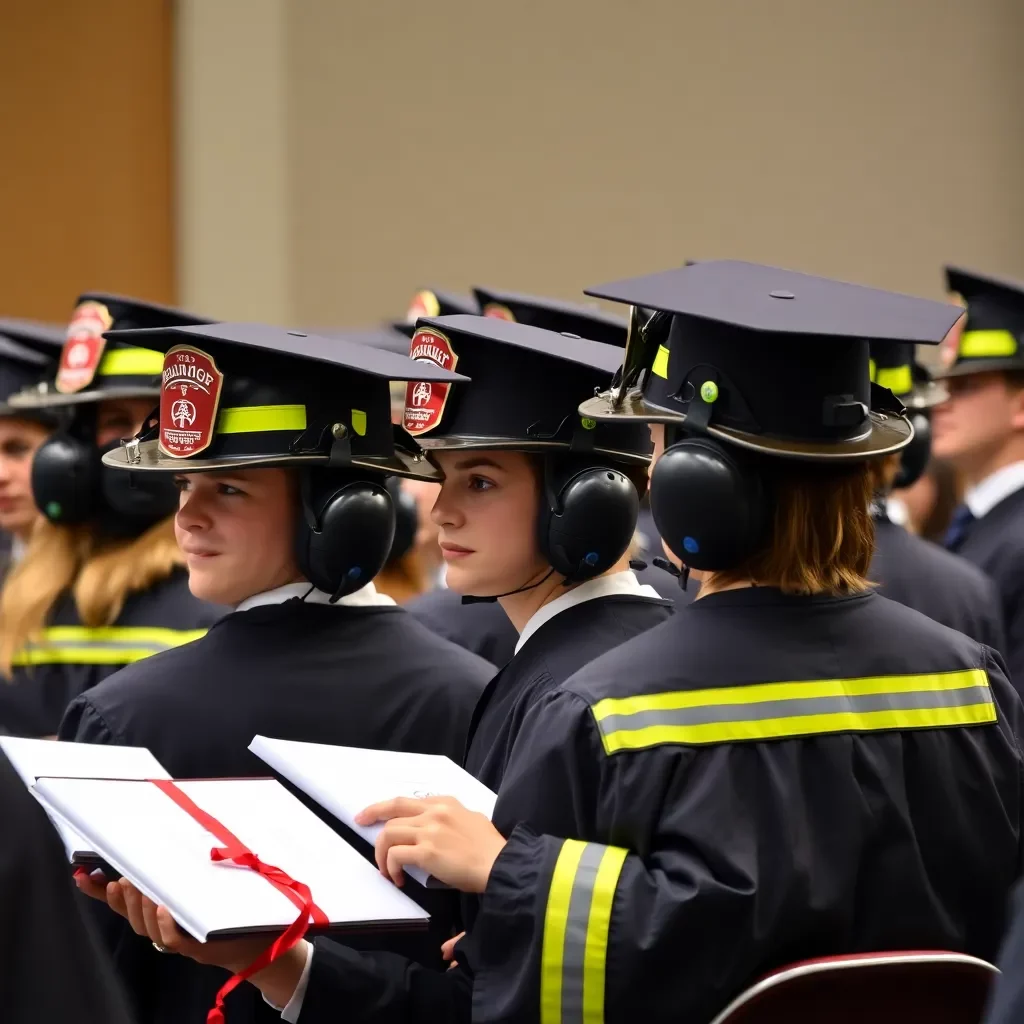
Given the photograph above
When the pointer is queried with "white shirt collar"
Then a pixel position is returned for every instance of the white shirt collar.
(604, 586)
(896, 511)
(18, 549)
(363, 596)
(984, 497)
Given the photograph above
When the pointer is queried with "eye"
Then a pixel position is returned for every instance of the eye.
(480, 483)
(228, 489)
(15, 449)
(181, 482)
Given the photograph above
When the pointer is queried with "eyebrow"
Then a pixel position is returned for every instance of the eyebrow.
(477, 462)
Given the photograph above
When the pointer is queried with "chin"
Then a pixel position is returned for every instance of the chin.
(463, 582)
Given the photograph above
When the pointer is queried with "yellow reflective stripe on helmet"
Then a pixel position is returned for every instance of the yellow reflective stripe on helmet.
(102, 645)
(131, 362)
(898, 379)
(660, 367)
(978, 344)
(776, 710)
(577, 919)
(250, 419)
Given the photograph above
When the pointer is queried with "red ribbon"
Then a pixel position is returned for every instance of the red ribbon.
(237, 852)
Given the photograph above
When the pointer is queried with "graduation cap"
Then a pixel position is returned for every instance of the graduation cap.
(92, 367)
(993, 337)
(526, 386)
(894, 366)
(434, 303)
(553, 315)
(28, 351)
(768, 359)
(239, 395)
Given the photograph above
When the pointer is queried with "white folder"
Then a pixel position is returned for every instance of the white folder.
(345, 780)
(161, 848)
(32, 759)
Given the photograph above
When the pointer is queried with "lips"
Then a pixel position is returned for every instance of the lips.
(455, 550)
(195, 553)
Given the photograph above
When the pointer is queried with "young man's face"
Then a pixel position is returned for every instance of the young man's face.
(236, 530)
(983, 412)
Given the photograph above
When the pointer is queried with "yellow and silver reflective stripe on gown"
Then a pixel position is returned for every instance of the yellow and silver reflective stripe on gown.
(768, 711)
(102, 645)
(576, 923)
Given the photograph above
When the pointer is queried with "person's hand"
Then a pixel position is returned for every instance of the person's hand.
(156, 924)
(455, 845)
(277, 981)
(448, 950)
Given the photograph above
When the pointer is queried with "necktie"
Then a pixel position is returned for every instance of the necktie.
(958, 525)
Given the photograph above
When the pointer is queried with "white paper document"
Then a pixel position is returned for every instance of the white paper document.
(345, 780)
(32, 759)
(160, 847)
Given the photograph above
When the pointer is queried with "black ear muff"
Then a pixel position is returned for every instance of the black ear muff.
(133, 502)
(709, 504)
(914, 457)
(407, 519)
(66, 479)
(587, 517)
(345, 531)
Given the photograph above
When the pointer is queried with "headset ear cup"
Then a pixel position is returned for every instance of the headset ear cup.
(345, 531)
(65, 478)
(709, 506)
(588, 517)
(914, 457)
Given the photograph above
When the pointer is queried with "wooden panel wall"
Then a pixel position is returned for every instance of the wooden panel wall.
(85, 152)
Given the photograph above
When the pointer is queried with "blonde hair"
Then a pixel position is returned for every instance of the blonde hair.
(822, 534)
(100, 574)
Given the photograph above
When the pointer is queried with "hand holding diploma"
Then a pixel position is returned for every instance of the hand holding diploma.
(438, 835)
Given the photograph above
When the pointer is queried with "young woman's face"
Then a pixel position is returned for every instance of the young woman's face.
(121, 418)
(236, 530)
(19, 440)
(486, 513)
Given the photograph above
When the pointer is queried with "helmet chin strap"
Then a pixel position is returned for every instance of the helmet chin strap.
(471, 599)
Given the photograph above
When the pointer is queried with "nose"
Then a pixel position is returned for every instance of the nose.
(192, 512)
(446, 511)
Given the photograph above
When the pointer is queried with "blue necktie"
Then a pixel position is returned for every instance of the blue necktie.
(958, 525)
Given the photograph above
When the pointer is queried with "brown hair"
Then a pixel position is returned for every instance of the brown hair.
(99, 574)
(404, 579)
(822, 534)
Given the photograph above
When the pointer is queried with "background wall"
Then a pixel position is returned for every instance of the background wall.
(85, 152)
(549, 144)
(329, 157)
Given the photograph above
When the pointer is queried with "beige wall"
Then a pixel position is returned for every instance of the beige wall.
(548, 144)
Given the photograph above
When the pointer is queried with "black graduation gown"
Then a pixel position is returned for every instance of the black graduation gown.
(1006, 1002)
(74, 657)
(995, 543)
(948, 589)
(52, 968)
(556, 650)
(367, 676)
(726, 821)
(481, 627)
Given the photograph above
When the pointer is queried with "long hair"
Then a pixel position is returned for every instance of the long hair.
(99, 574)
(822, 535)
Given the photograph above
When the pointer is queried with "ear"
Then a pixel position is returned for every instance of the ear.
(1017, 408)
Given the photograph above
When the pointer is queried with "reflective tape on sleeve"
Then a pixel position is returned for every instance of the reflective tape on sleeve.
(102, 645)
(577, 920)
(765, 711)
